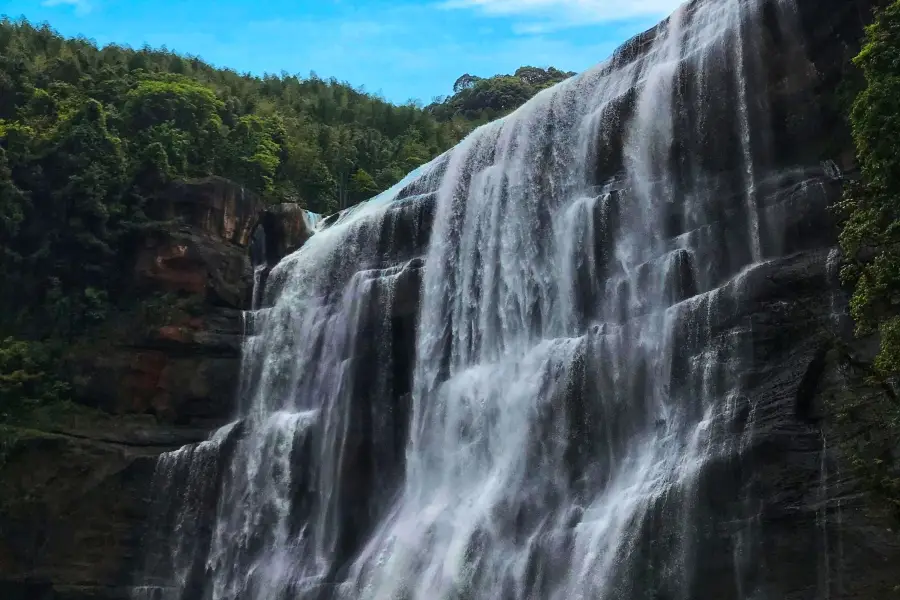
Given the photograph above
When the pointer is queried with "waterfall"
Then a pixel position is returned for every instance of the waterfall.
(822, 519)
(515, 374)
(187, 482)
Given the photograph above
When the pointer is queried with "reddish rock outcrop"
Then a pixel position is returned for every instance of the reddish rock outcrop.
(177, 355)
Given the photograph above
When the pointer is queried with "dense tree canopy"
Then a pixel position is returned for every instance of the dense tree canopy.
(283, 136)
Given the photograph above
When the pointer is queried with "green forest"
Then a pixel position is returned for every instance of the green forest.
(89, 135)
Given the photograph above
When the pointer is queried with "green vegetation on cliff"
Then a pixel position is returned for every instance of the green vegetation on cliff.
(870, 240)
(26, 378)
(871, 234)
(281, 136)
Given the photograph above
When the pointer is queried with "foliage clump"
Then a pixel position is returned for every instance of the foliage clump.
(27, 378)
(870, 238)
(479, 100)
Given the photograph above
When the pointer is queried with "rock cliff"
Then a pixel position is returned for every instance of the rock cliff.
(76, 492)
(177, 356)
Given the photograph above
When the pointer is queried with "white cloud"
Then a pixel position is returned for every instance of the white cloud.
(546, 15)
(82, 7)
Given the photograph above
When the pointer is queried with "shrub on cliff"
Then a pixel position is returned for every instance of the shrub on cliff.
(64, 194)
(27, 378)
(870, 237)
(868, 420)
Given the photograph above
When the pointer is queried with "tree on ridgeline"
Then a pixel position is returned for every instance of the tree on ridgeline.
(479, 100)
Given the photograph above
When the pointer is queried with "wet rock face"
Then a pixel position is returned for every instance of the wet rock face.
(189, 263)
(79, 507)
(286, 227)
(183, 372)
(280, 230)
(71, 517)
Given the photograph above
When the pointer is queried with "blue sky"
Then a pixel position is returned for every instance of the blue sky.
(398, 48)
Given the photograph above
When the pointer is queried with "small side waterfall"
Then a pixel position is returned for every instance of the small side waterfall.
(188, 484)
(524, 371)
(822, 518)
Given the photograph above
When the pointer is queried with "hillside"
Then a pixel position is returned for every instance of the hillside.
(91, 137)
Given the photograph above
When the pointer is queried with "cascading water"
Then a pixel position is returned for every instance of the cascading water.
(578, 359)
